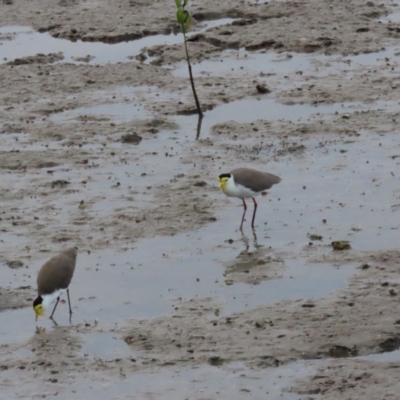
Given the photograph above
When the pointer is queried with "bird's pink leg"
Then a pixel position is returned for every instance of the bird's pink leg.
(54, 309)
(244, 213)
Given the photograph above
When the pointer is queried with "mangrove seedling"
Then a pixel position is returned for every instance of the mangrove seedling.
(183, 17)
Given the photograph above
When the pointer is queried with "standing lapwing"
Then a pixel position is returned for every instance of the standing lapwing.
(246, 183)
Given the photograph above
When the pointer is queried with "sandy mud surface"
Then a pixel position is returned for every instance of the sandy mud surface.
(100, 149)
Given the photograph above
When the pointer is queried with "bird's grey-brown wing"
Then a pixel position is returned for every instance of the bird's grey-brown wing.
(57, 272)
(254, 180)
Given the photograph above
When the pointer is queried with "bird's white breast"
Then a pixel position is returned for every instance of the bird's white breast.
(50, 298)
(233, 189)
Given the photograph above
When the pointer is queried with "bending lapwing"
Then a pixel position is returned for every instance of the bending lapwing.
(54, 279)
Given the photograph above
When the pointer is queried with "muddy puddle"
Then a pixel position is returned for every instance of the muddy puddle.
(367, 60)
(104, 345)
(242, 61)
(390, 356)
(166, 266)
(20, 42)
(257, 109)
(267, 109)
(269, 64)
(393, 17)
(234, 381)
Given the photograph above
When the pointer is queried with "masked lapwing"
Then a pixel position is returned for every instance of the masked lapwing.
(246, 183)
(53, 279)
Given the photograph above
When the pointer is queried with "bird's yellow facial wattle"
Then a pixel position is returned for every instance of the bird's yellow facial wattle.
(39, 312)
(222, 183)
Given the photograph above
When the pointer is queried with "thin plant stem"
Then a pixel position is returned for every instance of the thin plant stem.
(191, 75)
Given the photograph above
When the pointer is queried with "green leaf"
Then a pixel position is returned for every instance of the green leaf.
(179, 16)
(178, 4)
(185, 2)
(187, 22)
(182, 16)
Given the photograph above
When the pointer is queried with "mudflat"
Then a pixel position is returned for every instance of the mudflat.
(100, 149)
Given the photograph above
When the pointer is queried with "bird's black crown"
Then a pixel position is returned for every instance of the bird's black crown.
(38, 300)
(224, 176)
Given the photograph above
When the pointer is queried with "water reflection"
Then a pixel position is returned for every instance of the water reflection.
(246, 240)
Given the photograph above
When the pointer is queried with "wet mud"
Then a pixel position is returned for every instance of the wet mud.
(100, 149)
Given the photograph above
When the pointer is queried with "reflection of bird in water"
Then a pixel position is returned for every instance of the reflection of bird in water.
(246, 241)
(246, 183)
(53, 279)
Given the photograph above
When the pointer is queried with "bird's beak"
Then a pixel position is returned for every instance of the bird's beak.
(38, 313)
